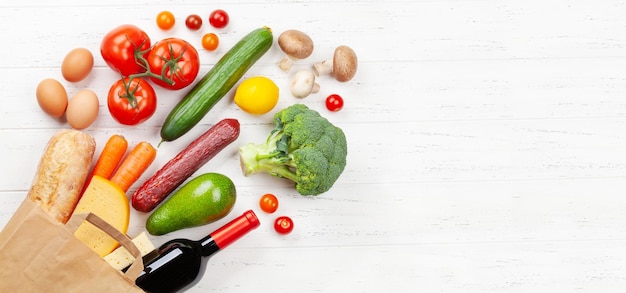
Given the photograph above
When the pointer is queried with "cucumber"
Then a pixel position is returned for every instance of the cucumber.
(216, 83)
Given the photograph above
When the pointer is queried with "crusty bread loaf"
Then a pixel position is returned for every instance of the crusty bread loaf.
(62, 171)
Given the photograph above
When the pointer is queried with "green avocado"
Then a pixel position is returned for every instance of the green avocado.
(204, 199)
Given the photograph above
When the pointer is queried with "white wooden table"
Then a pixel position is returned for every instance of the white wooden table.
(487, 140)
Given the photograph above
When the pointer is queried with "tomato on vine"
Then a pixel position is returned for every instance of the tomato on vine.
(122, 47)
(174, 63)
(165, 20)
(219, 18)
(131, 101)
(210, 41)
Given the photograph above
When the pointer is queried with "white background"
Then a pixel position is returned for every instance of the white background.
(487, 142)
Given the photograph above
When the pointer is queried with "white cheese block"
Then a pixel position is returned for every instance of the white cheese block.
(121, 258)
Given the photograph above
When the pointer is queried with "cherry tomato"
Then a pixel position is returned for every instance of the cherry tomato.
(165, 20)
(174, 60)
(334, 103)
(193, 22)
(120, 46)
(210, 41)
(218, 18)
(269, 203)
(283, 225)
(131, 102)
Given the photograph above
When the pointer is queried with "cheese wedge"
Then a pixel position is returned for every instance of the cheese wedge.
(121, 258)
(109, 202)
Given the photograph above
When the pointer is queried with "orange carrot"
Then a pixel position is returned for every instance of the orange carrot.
(133, 166)
(111, 155)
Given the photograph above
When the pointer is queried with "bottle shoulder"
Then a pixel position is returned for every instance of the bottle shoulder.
(173, 269)
(178, 242)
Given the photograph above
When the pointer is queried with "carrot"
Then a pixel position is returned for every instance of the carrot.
(133, 166)
(111, 155)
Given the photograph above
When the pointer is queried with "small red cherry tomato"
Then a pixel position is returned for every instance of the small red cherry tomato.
(334, 103)
(210, 41)
(193, 22)
(269, 203)
(218, 18)
(283, 225)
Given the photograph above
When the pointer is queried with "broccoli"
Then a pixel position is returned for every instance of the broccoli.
(303, 147)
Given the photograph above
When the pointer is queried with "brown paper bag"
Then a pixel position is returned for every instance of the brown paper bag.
(38, 254)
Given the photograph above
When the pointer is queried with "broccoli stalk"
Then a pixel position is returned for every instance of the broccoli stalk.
(303, 147)
(265, 157)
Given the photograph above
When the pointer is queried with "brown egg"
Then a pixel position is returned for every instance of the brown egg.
(77, 64)
(52, 97)
(82, 109)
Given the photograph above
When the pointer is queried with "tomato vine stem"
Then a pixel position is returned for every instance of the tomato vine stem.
(171, 63)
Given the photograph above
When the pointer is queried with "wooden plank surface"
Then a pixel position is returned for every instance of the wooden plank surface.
(486, 140)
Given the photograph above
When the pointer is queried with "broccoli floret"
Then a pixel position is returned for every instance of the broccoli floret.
(303, 147)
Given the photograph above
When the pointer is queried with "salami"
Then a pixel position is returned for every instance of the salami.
(184, 164)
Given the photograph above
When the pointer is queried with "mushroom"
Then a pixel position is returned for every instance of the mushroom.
(303, 84)
(342, 67)
(296, 44)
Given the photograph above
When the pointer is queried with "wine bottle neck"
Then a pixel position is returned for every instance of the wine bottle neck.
(209, 246)
(231, 232)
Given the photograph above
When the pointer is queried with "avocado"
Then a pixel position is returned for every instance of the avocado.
(204, 199)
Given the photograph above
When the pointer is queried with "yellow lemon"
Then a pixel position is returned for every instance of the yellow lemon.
(256, 95)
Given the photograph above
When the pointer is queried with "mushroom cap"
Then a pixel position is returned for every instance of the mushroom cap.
(303, 83)
(345, 63)
(296, 44)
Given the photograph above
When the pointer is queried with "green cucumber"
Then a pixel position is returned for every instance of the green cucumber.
(216, 83)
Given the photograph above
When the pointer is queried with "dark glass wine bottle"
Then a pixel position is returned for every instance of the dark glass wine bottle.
(179, 261)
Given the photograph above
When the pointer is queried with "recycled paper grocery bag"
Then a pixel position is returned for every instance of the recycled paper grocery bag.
(38, 254)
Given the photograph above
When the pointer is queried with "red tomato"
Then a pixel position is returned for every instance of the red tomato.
(269, 203)
(334, 103)
(210, 41)
(283, 225)
(175, 61)
(120, 46)
(131, 102)
(193, 22)
(218, 18)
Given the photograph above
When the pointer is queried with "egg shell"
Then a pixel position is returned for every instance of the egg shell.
(77, 64)
(82, 109)
(52, 97)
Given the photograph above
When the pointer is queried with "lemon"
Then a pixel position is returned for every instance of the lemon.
(257, 95)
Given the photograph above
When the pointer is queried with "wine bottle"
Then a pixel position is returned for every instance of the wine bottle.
(179, 260)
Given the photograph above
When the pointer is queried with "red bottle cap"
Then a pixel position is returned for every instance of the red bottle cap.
(235, 229)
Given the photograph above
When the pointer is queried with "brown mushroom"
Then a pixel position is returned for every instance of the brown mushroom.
(296, 45)
(343, 66)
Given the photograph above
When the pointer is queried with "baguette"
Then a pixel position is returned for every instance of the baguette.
(62, 172)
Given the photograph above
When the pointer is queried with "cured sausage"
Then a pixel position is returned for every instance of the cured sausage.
(154, 190)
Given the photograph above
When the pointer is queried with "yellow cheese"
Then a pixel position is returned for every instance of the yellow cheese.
(121, 258)
(109, 202)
